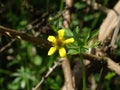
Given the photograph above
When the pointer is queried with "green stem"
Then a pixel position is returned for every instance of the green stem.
(27, 81)
(83, 70)
(61, 5)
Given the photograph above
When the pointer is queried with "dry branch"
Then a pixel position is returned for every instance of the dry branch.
(20, 35)
(96, 6)
(113, 66)
(110, 22)
(69, 84)
(67, 13)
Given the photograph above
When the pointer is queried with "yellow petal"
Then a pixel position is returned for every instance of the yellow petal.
(52, 50)
(61, 33)
(51, 39)
(67, 41)
(62, 52)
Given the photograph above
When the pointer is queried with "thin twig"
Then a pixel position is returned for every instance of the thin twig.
(7, 45)
(56, 64)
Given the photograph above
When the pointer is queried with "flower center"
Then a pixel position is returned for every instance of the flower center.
(59, 42)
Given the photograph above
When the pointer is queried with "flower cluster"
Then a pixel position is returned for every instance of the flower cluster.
(58, 43)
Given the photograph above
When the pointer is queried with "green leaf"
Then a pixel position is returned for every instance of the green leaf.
(23, 84)
(73, 51)
(68, 33)
(80, 5)
(77, 30)
(110, 75)
(17, 80)
(89, 17)
(23, 22)
(37, 60)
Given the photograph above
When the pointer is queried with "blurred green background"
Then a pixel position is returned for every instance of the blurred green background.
(22, 64)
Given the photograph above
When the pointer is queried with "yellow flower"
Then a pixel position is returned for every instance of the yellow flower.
(58, 43)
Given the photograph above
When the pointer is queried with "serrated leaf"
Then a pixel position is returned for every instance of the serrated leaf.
(68, 33)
